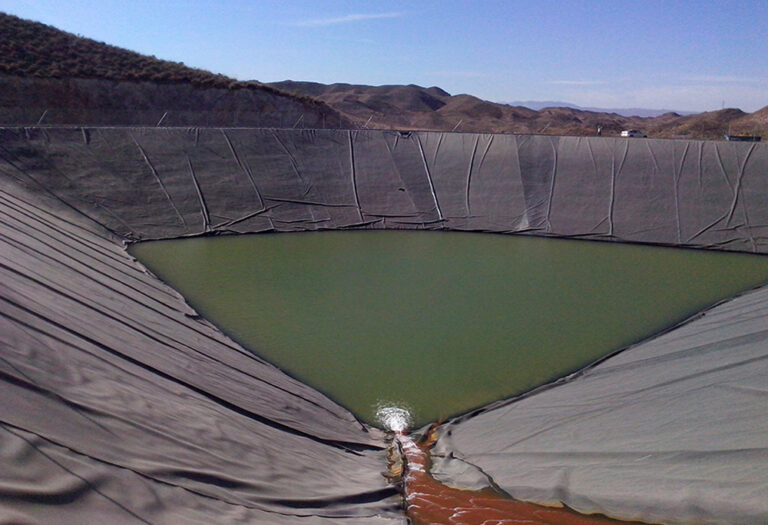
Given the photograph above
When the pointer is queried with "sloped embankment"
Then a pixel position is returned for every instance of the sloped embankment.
(30, 101)
(51, 77)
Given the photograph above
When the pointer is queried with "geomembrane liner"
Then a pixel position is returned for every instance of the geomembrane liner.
(122, 405)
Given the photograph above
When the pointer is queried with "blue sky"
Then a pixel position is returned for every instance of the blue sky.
(686, 55)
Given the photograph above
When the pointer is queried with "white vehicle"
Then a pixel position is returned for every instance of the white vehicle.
(633, 133)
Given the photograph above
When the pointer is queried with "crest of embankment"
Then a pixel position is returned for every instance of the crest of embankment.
(118, 396)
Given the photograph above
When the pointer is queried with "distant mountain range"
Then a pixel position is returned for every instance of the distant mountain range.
(416, 107)
(625, 112)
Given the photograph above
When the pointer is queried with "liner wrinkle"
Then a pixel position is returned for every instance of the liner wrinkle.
(203, 207)
(159, 181)
(429, 179)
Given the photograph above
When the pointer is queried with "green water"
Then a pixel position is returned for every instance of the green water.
(439, 322)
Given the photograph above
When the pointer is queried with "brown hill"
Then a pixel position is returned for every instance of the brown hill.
(753, 123)
(378, 99)
(372, 105)
(711, 125)
(63, 78)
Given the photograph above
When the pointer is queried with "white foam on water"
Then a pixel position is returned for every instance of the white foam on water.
(394, 418)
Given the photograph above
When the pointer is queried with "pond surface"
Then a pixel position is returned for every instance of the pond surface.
(440, 322)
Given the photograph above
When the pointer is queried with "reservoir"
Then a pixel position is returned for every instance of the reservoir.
(439, 322)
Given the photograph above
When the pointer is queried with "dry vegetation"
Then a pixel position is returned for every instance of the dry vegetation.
(32, 49)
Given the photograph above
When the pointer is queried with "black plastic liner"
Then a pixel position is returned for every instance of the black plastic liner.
(120, 404)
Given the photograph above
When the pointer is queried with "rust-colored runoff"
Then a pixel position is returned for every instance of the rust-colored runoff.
(429, 502)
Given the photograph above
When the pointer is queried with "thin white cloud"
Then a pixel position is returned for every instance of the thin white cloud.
(346, 19)
(576, 82)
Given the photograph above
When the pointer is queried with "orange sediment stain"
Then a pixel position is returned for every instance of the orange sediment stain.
(430, 502)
